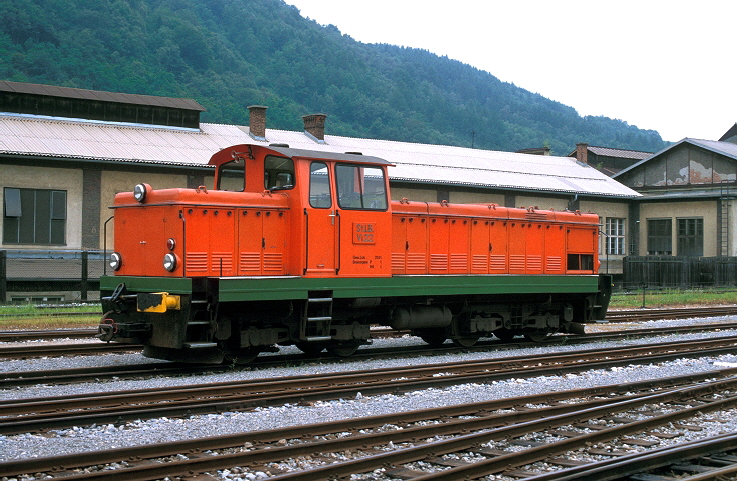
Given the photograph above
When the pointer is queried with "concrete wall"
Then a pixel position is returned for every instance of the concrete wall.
(476, 198)
(610, 264)
(30, 177)
(114, 182)
(706, 210)
(416, 194)
(543, 203)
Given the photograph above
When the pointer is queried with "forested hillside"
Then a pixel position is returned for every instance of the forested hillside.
(228, 54)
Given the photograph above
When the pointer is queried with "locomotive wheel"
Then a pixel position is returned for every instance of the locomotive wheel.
(434, 340)
(466, 341)
(536, 336)
(310, 348)
(343, 349)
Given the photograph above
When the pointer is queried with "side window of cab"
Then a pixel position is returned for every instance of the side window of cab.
(278, 173)
(232, 176)
(361, 187)
(319, 186)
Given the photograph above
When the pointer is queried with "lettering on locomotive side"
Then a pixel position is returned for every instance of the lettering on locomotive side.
(364, 233)
(377, 261)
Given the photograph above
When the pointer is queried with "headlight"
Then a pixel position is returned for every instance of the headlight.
(171, 244)
(170, 262)
(139, 192)
(115, 261)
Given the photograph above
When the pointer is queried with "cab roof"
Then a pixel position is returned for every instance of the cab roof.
(227, 154)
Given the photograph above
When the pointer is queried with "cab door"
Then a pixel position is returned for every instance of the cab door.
(364, 221)
(322, 224)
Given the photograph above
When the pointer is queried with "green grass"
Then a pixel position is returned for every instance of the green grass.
(28, 316)
(673, 298)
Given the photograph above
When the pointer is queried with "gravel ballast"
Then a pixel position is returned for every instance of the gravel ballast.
(142, 432)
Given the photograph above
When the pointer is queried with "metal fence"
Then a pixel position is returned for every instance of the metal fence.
(50, 276)
(679, 271)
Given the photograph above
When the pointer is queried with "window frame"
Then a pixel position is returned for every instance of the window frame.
(615, 238)
(285, 168)
(318, 180)
(690, 236)
(358, 180)
(232, 176)
(34, 216)
(653, 240)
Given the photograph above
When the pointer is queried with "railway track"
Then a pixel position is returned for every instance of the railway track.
(571, 431)
(55, 350)
(35, 335)
(49, 350)
(641, 315)
(139, 371)
(39, 414)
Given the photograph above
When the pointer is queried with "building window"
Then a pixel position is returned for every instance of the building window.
(34, 216)
(659, 237)
(690, 237)
(615, 236)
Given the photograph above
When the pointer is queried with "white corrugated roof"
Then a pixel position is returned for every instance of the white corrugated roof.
(422, 163)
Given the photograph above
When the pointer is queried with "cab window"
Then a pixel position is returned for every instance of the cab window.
(360, 187)
(232, 176)
(319, 186)
(278, 173)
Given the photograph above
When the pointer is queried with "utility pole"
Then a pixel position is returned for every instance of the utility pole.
(473, 138)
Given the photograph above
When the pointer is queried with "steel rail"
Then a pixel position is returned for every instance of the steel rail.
(9, 468)
(501, 463)
(484, 421)
(26, 378)
(50, 350)
(95, 374)
(625, 466)
(466, 367)
(645, 314)
(33, 335)
(31, 415)
(615, 315)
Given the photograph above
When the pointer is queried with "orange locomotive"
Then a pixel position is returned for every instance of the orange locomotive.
(297, 247)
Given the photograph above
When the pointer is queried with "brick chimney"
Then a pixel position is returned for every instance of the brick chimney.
(315, 126)
(257, 122)
(582, 152)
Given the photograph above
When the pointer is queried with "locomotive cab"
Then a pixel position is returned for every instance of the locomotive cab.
(340, 222)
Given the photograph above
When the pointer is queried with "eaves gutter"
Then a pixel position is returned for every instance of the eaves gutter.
(105, 161)
(512, 188)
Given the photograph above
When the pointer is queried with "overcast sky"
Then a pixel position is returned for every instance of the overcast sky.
(664, 65)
